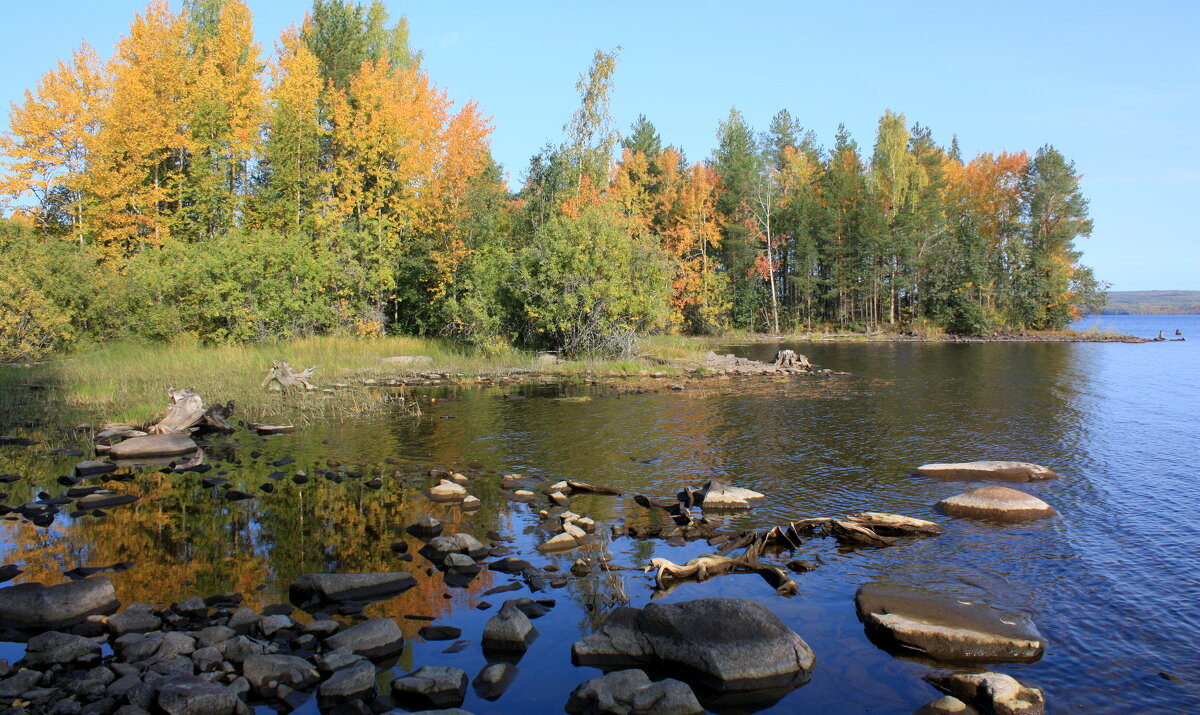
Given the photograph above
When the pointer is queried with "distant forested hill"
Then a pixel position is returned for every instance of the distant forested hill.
(1152, 302)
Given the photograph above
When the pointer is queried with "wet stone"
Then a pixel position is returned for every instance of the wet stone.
(431, 687)
(376, 638)
(509, 630)
(491, 681)
(352, 682)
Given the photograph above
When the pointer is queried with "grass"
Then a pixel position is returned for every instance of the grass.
(126, 382)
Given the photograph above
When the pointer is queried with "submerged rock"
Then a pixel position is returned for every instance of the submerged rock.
(630, 692)
(946, 705)
(997, 504)
(945, 628)
(30, 606)
(331, 587)
(991, 692)
(969, 471)
(727, 643)
(491, 682)
(153, 445)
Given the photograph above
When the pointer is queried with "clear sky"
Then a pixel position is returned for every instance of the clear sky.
(1115, 86)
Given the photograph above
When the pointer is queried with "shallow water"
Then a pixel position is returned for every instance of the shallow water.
(1111, 581)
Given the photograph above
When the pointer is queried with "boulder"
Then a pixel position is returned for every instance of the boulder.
(153, 445)
(630, 692)
(446, 490)
(717, 495)
(726, 643)
(440, 547)
(946, 705)
(990, 692)
(331, 587)
(509, 630)
(945, 628)
(997, 504)
(267, 672)
(376, 638)
(33, 606)
(137, 618)
(54, 648)
(355, 681)
(427, 525)
(191, 695)
(491, 682)
(559, 542)
(972, 471)
(431, 687)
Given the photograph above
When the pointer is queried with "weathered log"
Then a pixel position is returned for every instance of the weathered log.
(585, 487)
(281, 373)
(185, 410)
(789, 358)
(669, 574)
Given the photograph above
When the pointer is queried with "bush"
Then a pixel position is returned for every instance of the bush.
(31, 326)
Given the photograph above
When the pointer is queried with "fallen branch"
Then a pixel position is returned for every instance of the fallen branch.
(669, 575)
(281, 373)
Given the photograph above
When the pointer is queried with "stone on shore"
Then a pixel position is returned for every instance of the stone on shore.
(991, 692)
(353, 682)
(54, 648)
(267, 672)
(137, 618)
(431, 687)
(727, 643)
(333, 587)
(153, 445)
(945, 628)
(946, 705)
(997, 504)
(509, 630)
(630, 692)
(32, 606)
(971, 471)
(376, 638)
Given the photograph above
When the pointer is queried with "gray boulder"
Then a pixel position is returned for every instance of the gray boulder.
(630, 692)
(54, 648)
(997, 504)
(946, 628)
(971, 471)
(267, 672)
(491, 682)
(440, 547)
(991, 692)
(153, 445)
(32, 606)
(726, 643)
(353, 682)
(376, 638)
(509, 630)
(431, 687)
(19, 683)
(190, 695)
(329, 587)
(136, 618)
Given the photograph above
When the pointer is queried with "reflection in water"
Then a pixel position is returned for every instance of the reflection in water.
(1108, 581)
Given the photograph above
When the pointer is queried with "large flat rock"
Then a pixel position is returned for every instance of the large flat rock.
(945, 628)
(153, 445)
(725, 644)
(972, 471)
(333, 587)
(997, 504)
(33, 606)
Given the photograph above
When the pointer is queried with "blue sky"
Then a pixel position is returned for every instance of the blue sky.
(1114, 86)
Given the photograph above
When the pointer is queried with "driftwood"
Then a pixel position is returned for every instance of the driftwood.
(187, 412)
(669, 575)
(867, 529)
(281, 373)
(789, 358)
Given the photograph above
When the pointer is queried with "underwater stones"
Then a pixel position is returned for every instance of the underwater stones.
(970, 471)
(630, 692)
(945, 628)
(33, 606)
(91, 468)
(728, 643)
(153, 445)
(997, 504)
(990, 692)
(509, 630)
(376, 638)
(331, 587)
(493, 679)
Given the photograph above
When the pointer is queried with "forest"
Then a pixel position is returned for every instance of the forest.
(193, 183)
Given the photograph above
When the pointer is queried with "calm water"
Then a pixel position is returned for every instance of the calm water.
(1112, 582)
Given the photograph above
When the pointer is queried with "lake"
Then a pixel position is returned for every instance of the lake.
(1112, 581)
